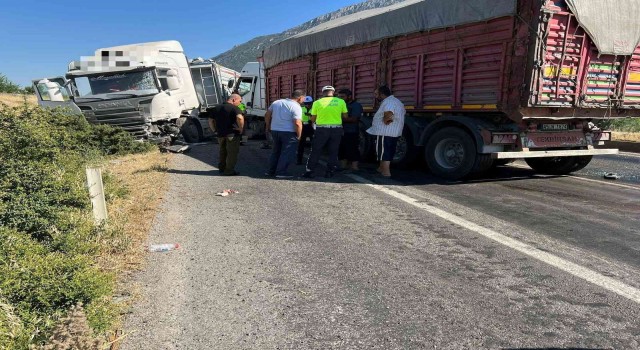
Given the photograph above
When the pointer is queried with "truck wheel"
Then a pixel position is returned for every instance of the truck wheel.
(406, 152)
(365, 145)
(483, 163)
(553, 165)
(190, 129)
(581, 162)
(450, 153)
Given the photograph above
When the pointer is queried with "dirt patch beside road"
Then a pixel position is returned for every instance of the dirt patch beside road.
(625, 136)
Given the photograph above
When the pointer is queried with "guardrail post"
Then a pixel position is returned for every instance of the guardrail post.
(96, 193)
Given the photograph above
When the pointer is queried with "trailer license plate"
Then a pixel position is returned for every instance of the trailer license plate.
(552, 127)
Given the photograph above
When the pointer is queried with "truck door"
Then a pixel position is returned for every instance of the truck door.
(54, 92)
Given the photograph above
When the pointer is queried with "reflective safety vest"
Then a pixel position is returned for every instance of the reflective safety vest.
(328, 110)
(305, 114)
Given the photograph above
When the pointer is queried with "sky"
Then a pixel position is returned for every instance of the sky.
(38, 39)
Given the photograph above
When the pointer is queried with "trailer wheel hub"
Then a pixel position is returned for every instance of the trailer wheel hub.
(449, 153)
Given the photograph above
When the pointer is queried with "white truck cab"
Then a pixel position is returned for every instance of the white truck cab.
(251, 86)
(147, 89)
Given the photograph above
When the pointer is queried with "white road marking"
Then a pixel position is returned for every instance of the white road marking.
(586, 274)
(584, 178)
(629, 154)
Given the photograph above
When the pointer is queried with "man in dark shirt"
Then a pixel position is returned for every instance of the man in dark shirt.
(227, 122)
(350, 143)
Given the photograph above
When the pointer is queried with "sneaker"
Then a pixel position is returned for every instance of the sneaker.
(284, 176)
(308, 175)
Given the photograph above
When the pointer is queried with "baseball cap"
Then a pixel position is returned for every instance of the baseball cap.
(308, 99)
(328, 87)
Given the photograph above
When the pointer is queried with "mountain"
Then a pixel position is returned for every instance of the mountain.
(252, 49)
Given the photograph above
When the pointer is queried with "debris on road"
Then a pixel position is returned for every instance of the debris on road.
(225, 193)
(611, 176)
(175, 148)
(163, 247)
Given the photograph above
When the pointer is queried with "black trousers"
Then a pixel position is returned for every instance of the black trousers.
(307, 131)
(329, 138)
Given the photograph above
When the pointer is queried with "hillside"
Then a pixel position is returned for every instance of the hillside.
(249, 51)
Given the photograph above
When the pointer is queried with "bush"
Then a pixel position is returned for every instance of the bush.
(48, 242)
(8, 86)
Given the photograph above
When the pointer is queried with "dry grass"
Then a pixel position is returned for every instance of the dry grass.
(625, 136)
(144, 177)
(143, 181)
(16, 100)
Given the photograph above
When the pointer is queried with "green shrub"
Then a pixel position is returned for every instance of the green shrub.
(8, 86)
(622, 125)
(48, 242)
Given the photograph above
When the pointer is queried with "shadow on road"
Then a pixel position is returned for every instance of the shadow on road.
(253, 161)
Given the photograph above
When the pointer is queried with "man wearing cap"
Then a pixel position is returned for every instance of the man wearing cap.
(307, 128)
(283, 120)
(327, 114)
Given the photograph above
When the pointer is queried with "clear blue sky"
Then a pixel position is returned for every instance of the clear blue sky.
(39, 38)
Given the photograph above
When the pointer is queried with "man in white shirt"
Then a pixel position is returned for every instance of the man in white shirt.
(387, 126)
(284, 122)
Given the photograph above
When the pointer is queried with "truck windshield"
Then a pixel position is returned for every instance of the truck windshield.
(244, 86)
(111, 85)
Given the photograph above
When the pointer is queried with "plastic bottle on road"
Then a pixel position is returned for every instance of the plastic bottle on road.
(163, 247)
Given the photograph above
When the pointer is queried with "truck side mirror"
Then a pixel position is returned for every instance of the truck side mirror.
(173, 83)
(231, 83)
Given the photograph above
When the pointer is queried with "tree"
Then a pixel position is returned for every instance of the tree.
(8, 86)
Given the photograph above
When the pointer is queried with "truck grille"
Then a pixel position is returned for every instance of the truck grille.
(129, 119)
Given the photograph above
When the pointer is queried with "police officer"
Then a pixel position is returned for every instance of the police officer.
(307, 128)
(327, 114)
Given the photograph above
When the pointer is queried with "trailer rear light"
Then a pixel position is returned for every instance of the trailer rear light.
(504, 138)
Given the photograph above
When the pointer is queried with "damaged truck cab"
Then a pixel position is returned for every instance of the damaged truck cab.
(146, 89)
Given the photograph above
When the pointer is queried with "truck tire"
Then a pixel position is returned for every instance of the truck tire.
(581, 162)
(450, 153)
(365, 146)
(190, 129)
(406, 151)
(483, 163)
(554, 165)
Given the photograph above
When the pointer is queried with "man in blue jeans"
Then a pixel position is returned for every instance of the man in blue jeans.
(284, 121)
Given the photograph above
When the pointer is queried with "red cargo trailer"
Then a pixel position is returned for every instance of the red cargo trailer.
(483, 81)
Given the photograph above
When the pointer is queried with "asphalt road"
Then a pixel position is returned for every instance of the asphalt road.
(510, 261)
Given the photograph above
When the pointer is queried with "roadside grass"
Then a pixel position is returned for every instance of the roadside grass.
(17, 100)
(55, 264)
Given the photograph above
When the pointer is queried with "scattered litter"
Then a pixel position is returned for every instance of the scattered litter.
(225, 193)
(175, 148)
(611, 176)
(163, 247)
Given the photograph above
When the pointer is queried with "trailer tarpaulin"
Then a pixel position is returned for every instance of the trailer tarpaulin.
(611, 24)
(403, 18)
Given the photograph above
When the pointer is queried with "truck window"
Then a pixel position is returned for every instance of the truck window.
(162, 76)
(44, 92)
(244, 86)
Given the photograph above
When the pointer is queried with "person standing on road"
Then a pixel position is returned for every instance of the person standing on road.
(349, 146)
(307, 128)
(284, 120)
(327, 113)
(227, 122)
(387, 126)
